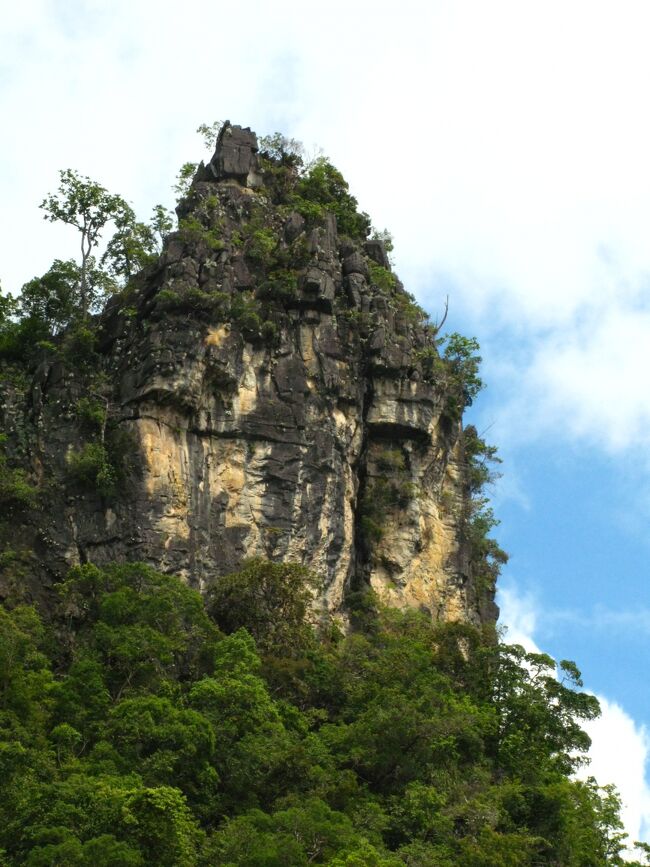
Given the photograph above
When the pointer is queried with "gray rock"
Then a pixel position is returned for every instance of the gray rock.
(241, 275)
(319, 283)
(355, 285)
(236, 155)
(293, 227)
(355, 264)
(346, 248)
(377, 252)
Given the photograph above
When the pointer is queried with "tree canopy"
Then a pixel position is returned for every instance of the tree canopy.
(135, 730)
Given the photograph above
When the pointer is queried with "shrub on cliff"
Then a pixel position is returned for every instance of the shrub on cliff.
(323, 188)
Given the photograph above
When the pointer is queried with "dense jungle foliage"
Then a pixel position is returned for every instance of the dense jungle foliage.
(143, 725)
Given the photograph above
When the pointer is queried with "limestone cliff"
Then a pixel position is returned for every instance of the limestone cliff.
(270, 390)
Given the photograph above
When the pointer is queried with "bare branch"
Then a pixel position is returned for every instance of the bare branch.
(438, 325)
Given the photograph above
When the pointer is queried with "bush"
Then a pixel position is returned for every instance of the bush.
(280, 286)
(381, 277)
(432, 365)
(479, 460)
(92, 413)
(381, 497)
(91, 467)
(463, 363)
(191, 298)
(323, 188)
(17, 493)
(409, 308)
(486, 555)
(79, 347)
(390, 460)
(271, 600)
(192, 230)
(261, 246)
(20, 341)
(248, 315)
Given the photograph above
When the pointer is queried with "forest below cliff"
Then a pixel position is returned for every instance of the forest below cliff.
(142, 722)
(146, 725)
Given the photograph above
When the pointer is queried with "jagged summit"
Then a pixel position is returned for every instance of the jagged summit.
(281, 396)
(235, 156)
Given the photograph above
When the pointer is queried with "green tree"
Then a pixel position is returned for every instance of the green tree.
(463, 364)
(210, 133)
(325, 187)
(135, 244)
(146, 628)
(88, 207)
(163, 826)
(8, 308)
(19, 337)
(286, 151)
(253, 745)
(161, 224)
(167, 745)
(17, 494)
(309, 833)
(273, 601)
(132, 246)
(184, 180)
(539, 715)
(53, 299)
(25, 675)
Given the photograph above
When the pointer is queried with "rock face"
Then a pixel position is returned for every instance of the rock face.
(272, 391)
(235, 156)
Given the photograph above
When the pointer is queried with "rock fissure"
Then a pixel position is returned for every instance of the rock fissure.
(361, 541)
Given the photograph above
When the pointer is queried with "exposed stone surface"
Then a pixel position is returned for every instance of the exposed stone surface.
(235, 155)
(269, 395)
(377, 252)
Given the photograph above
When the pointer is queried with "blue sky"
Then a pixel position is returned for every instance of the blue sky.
(505, 145)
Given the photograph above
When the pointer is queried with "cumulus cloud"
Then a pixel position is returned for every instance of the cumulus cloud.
(620, 747)
(518, 617)
(584, 383)
(620, 750)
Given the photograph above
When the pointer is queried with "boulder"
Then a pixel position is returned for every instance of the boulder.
(376, 251)
(236, 155)
(355, 264)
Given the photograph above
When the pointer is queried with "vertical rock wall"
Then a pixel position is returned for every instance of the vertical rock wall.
(275, 384)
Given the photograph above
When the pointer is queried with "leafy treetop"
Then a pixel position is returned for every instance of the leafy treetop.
(88, 207)
(133, 731)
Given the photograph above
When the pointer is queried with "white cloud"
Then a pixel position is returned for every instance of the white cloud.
(519, 617)
(582, 383)
(620, 748)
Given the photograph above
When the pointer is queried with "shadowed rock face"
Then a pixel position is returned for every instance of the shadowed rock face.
(275, 401)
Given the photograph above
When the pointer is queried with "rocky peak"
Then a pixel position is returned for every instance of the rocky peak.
(235, 157)
(280, 395)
